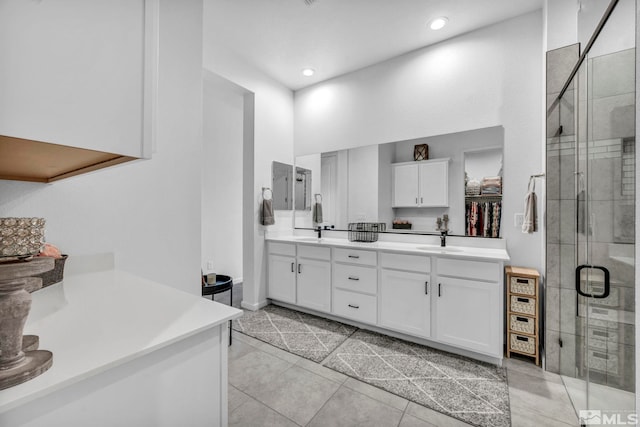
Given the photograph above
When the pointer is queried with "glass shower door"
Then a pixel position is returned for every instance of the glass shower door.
(598, 365)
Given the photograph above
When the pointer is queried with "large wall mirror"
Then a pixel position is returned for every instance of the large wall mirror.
(357, 184)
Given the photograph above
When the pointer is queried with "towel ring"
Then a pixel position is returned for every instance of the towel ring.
(318, 197)
(264, 193)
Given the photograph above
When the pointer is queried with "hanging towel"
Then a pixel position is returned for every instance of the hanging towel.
(317, 213)
(530, 223)
(266, 212)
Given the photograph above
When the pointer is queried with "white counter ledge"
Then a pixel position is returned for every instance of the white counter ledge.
(94, 323)
(452, 251)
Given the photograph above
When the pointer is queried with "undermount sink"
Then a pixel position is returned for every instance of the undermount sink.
(308, 239)
(438, 248)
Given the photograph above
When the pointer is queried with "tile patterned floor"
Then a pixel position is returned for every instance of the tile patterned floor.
(466, 389)
(308, 336)
(271, 387)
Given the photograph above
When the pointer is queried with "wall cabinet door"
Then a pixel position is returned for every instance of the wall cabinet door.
(469, 314)
(75, 73)
(405, 302)
(282, 278)
(314, 284)
(405, 185)
(434, 184)
(421, 184)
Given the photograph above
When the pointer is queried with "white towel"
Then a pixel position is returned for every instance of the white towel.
(530, 223)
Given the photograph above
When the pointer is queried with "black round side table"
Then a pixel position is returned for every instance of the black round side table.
(223, 284)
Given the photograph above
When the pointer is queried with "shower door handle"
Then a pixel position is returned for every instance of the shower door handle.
(607, 283)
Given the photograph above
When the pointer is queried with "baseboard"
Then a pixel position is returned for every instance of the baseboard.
(237, 280)
(254, 307)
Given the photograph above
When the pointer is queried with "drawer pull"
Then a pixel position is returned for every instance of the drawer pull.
(354, 278)
(522, 339)
(354, 256)
(299, 268)
(523, 300)
(354, 306)
(522, 319)
(426, 288)
(292, 267)
(526, 281)
(439, 289)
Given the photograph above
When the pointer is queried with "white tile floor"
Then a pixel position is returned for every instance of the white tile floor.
(270, 387)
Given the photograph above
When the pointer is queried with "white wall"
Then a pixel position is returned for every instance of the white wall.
(272, 132)
(222, 148)
(146, 212)
(489, 77)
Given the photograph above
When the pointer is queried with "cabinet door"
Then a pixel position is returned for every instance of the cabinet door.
(434, 184)
(314, 284)
(469, 314)
(405, 185)
(405, 302)
(282, 278)
(74, 73)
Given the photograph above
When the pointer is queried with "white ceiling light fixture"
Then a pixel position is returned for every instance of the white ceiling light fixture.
(438, 23)
(308, 72)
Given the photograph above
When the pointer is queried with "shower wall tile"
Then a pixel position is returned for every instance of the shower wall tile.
(567, 266)
(553, 221)
(560, 112)
(553, 176)
(567, 314)
(624, 222)
(567, 177)
(613, 117)
(603, 174)
(602, 224)
(560, 62)
(568, 354)
(613, 74)
(552, 276)
(552, 309)
(552, 351)
(567, 221)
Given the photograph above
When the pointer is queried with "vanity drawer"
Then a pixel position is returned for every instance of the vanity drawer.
(417, 263)
(355, 306)
(356, 278)
(282, 248)
(314, 252)
(355, 256)
(477, 270)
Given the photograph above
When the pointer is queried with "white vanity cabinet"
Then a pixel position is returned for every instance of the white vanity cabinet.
(469, 307)
(405, 293)
(314, 278)
(300, 274)
(421, 184)
(282, 272)
(355, 284)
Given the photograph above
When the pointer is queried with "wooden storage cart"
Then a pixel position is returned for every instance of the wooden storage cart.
(523, 305)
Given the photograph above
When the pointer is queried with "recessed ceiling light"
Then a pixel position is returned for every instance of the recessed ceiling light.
(438, 23)
(308, 72)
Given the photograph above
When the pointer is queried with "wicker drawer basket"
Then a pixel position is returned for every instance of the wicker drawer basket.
(523, 305)
(523, 344)
(522, 285)
(523, 324)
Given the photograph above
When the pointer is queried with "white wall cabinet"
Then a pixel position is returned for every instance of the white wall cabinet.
(421, 184)
(78, 75)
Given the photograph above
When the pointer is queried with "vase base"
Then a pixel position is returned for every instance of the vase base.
(35, 363)
(30, 342)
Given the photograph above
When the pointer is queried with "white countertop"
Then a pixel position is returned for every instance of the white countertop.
(479, 253)
(96, 321)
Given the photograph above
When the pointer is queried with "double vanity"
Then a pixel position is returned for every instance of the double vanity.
(445, 297)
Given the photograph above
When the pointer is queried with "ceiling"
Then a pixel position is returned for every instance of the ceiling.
(334, 37)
